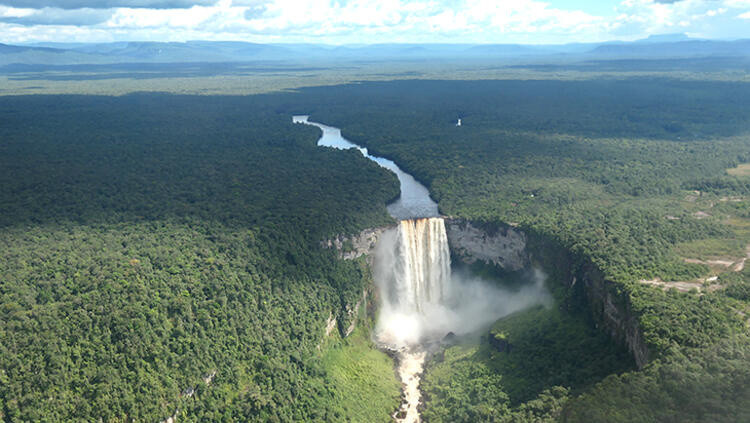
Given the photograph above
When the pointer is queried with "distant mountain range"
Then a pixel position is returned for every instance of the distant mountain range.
(670, 46)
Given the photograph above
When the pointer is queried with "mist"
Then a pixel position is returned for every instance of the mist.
(462, 304)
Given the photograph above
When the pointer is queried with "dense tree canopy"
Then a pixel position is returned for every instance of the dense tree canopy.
(151, 241)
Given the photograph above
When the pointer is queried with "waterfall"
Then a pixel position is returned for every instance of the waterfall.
(413, 272)
(422, 300)
(422, 269)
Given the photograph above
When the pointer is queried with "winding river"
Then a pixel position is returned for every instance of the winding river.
(414, 202)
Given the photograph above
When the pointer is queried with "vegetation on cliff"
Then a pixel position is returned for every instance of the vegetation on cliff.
(689, 385)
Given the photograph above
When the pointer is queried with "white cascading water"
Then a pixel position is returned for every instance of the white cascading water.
(415, 281)
(414, 276)
(423, 275)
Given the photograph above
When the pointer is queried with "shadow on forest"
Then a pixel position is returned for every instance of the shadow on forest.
(91, 159)
(152, 156)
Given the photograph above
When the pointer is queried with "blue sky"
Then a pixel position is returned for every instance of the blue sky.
(369, 21)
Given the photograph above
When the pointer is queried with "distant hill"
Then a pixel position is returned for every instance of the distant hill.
(665, 38)
(508, 50)
(10, 54)
(691, 48)
(656, 46)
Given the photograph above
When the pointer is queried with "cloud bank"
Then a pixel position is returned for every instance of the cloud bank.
(366, 21)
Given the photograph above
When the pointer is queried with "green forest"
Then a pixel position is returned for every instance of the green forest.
(162, 253)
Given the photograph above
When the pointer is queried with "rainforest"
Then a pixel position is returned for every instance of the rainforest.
(555, 245)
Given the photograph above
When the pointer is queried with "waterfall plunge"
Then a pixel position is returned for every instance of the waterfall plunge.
(423, 268)
(422, 301)
(414, 275)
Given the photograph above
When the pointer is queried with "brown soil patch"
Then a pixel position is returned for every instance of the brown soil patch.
(741, 170)
(701, 215)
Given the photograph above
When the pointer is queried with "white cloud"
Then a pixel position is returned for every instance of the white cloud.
(15, 12)
(699, 18)
(51, 16)
(105, 4)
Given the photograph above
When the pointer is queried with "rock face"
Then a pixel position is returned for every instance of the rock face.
(351, 316)
(615, 314)
(330, 324)
(502, 246)
(355, 246)
(500, 343)
(350, 248)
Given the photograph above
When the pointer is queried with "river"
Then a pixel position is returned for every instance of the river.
(413, 203)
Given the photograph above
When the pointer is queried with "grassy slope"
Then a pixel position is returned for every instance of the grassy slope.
(362, 379)
(741, 170)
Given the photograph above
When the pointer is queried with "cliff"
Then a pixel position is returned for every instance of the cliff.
(513, 250)
(502, 246)
(586, 286)
(352, 247)
(583, 284)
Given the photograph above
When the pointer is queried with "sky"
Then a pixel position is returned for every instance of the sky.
(369, 21)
